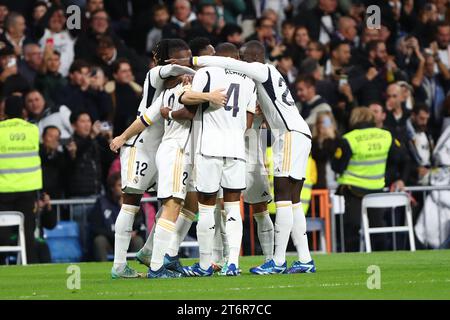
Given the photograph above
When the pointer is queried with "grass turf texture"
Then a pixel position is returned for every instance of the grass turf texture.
(404, 275)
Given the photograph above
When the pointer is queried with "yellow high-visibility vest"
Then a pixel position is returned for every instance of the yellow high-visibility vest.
(269, 165)
(20, 164)
(367, 166)
(311, 179)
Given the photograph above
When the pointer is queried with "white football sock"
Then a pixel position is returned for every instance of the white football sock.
(264, 227)
(234, 229)
(122, 235)
(148, 246)
(223, 234)
(298, 233)
(182, 227)
(205, 234)
(283, 226)
(218, 244)
(163, 234)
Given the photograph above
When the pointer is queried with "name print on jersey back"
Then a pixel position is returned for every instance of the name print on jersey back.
(222, 130)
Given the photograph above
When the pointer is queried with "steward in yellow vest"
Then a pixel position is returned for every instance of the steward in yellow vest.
(360, 160)
(20, 164)
(310, 181)
(20, 172)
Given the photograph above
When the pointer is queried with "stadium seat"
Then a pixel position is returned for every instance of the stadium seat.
(11, 219)
(64, 242)
(317, 224)
(386, 200)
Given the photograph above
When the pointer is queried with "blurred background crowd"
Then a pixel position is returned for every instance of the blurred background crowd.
(81, 87)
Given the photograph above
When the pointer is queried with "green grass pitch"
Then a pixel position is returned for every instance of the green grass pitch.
(404, 275)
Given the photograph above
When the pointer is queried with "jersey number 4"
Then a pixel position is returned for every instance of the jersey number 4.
(233, 89)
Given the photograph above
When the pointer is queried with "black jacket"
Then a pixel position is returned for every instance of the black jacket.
(53, 172)
(96, 103)
(103, 217)
(87, 172)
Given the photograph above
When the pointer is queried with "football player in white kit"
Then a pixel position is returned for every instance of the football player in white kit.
(257, 193)
(173, 165)
(220, 159)
(137, 157)
(291, 148)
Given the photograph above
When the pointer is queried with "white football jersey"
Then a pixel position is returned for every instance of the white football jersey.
(274, 95)
(176, 132)
(222, 129)
(153, 87)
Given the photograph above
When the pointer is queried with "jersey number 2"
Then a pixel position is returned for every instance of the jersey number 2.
(233, 89)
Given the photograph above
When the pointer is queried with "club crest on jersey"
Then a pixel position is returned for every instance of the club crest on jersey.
(136, 179)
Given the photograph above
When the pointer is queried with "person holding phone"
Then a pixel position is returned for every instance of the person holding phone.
(324, 144)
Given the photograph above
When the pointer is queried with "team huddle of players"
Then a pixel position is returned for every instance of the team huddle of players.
(196, 141)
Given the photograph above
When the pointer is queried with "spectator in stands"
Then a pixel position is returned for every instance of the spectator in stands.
(14, 34)
(387, 72)
(420, 144)
(160, 19)
(43, 114)
(316, 51)
(181, 20)
(287, 32)
(340, 55)
(398, 166)
(231, 9)
(79, 95)
(206, 24)
(91, 7)
(107, 53)
(397, 115)
(53, 162)
(286, 67)
(406, 95)
(89, 160)
(55, 33)
(102, 219)
(32, 60)
(424, 27)
(445, 114)
(87, 42)
(49, 81)
(182, 13)
(301, 40)
(10, 79)
(3, 13)
(321, 20)
(409, 56)
(359, 54)
(443, 42)
(347, 30)
(324, 144)
(125, 95)
(311, 102)
(432, 87)
(232, 33)
(264, 32)
(39, 10)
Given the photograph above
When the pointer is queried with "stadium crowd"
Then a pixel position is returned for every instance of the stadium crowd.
(82, 87)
